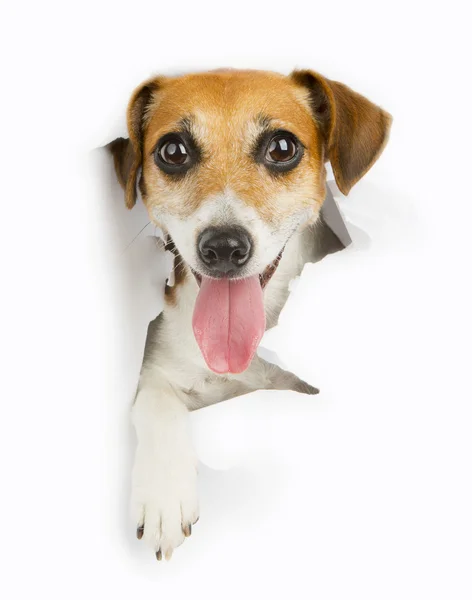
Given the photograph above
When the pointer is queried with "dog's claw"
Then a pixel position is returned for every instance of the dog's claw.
(305, 388)
(140, 532)
(159, 554)
(187, 530)
(169, 554)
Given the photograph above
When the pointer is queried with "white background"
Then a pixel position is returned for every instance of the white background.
(361, 492)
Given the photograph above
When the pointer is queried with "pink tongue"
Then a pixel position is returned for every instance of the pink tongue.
(229, 322)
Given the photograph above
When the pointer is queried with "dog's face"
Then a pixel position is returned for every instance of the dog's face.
(231, 158)
(233, 161)
(232, 165)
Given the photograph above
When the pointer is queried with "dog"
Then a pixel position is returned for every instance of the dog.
(230, 165)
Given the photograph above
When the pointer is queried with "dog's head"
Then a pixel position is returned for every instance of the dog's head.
(232, 163)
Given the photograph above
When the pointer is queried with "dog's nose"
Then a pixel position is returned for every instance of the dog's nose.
(224, 250)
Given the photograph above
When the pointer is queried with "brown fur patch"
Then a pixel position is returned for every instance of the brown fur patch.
(225, 111)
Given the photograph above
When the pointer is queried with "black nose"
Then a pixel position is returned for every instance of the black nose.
(224, 250)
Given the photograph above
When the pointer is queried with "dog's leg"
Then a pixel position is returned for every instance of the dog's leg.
(285, 380)
(279, 379)
(263, 375)
(164, 499)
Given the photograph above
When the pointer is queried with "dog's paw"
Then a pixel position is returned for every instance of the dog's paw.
(164, 501)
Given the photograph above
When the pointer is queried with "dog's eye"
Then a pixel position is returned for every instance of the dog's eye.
(174, 152)
(281, 149)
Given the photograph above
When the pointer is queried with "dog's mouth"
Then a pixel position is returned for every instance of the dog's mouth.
(229, 318)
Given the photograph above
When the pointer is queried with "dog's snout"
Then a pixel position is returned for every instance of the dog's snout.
(224, 250)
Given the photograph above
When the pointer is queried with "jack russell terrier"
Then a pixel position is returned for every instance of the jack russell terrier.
(231, 167)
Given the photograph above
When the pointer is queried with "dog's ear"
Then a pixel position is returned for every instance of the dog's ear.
(354, 129)
(128, 153)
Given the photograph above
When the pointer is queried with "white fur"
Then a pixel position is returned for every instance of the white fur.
(175, 377)
(164, 479)
(227, 209)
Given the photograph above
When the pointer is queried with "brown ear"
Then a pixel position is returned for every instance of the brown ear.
(354, 129)
(123, 157)
(127, 154)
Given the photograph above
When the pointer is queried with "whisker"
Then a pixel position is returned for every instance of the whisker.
(136, 237)
(179, 263)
